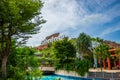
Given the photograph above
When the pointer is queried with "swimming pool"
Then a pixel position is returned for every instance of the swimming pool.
(54, 77)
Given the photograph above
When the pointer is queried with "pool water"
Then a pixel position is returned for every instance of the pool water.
(54, 77)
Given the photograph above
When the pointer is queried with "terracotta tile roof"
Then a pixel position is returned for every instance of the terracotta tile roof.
(112, 45)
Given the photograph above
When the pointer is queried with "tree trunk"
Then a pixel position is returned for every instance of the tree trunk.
(95, 61)
(104, 64)
(4, 62)
(101, 64)
(109, 63)
(115, 65)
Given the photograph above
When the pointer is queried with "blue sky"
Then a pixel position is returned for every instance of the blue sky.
(97, 18)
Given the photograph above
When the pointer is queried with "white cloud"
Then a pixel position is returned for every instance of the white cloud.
(94, 19)
(62, 15)
(110, 30)
(104, 3)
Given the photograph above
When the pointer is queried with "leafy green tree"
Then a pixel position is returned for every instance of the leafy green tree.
(16, 21)
(34, 74)
(47, 56)
(72, 40)
(83, 43)
(22, 62)
(65, 57)
(82, 66)
(95, 43)
(97, 39)
(118, 56)
(64, 53)
(101, 51)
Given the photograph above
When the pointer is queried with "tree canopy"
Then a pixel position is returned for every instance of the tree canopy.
(64, 53)
(102, 52)
(18, 19)
(83, 43)
(22, 63)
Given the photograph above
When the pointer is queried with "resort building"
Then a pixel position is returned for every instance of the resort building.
(113, 62)
(50, 39)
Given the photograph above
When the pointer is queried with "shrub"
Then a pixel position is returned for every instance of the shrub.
(82, 66)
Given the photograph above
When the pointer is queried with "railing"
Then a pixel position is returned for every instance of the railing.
(105, 75)
(47, 70)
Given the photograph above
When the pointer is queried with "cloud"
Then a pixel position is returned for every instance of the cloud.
(64, 14)
(77, 16)
(110, 30)
(94, 19)
(60, 15)
(113, 11)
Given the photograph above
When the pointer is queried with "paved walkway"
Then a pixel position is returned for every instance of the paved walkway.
(47, 68)
(91, 70)
(104, 70)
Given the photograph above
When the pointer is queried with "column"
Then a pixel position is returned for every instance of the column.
(109, 64)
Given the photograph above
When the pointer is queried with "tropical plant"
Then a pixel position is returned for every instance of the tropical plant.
(15, 72)
(101, 51)
(95, 43)
(72, 40)
(82, 66)
(21, 62)
(83, 43)
(47, 56)
(64, 53)
(118, 56)
(34, 73)
(16, 21)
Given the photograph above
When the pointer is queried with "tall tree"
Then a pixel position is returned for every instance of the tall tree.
(118, 56)
(83, 43)
(95, 43)
(20, 61)
(16, 21)
(64, 53)
(101, 51)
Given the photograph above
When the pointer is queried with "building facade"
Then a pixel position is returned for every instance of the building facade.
(49, 39)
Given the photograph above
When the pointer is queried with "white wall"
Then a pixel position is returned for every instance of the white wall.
(70, 73)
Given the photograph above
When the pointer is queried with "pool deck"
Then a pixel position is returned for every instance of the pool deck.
(104, 70)
(93, 73)
(105, 74)
(91, 69)
(47, 68)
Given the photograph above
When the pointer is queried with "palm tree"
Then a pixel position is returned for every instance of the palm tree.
(118, 56)
(95, 42)
(101, 51)
(83, 42)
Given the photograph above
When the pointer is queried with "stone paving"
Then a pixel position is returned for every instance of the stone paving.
(104, 70)
(47, 68)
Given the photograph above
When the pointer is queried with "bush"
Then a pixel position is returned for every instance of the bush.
(15, 73)
(82, 66)
(34, 73)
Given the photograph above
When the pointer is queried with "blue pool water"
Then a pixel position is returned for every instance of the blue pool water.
(53, 77)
